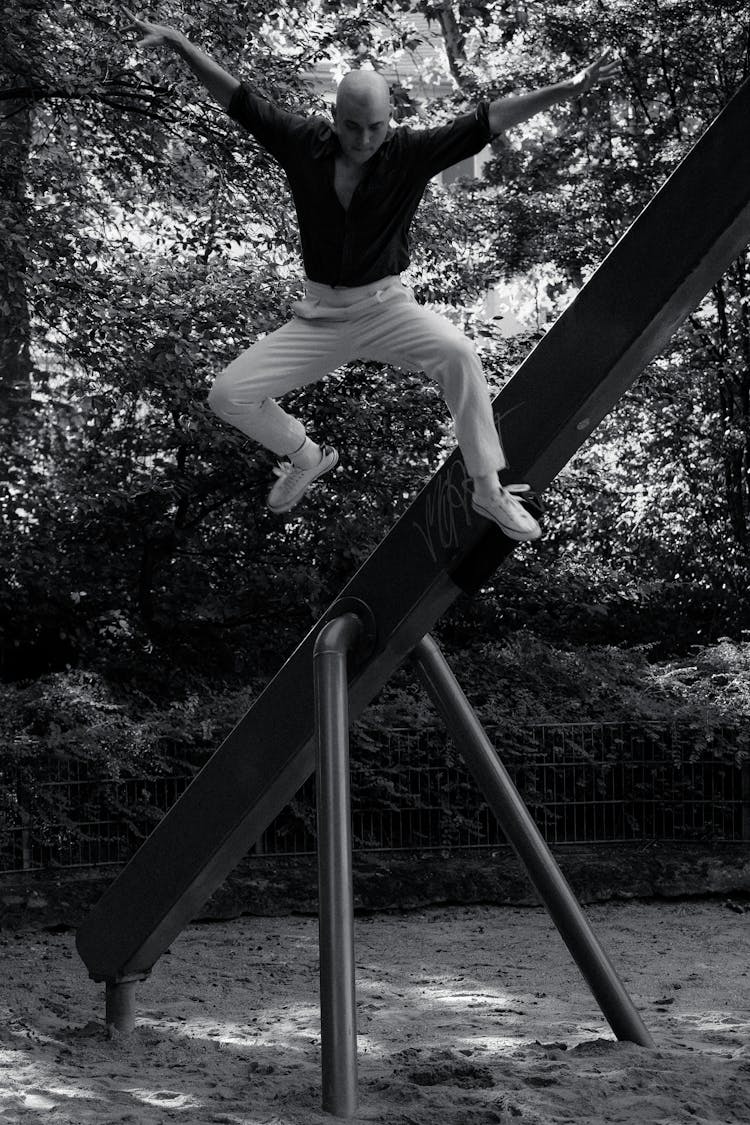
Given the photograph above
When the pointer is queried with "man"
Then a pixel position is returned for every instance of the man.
(356, 185)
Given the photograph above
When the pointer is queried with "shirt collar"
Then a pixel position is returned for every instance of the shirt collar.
(332, 146)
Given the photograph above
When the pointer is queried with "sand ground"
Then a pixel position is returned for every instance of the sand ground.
(467, 1016)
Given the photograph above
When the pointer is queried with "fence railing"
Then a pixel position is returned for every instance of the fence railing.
(584, 783)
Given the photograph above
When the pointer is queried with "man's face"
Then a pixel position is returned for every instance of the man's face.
(362, 124)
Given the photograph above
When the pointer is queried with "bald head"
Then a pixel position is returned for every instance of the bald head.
(363, 86)
(362, 114)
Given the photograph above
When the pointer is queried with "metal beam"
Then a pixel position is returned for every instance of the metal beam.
(657, 273)
(528, 843)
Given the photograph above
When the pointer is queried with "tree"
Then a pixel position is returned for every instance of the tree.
(663, 486)
(149, 243)
(15, 330)
(132, 519)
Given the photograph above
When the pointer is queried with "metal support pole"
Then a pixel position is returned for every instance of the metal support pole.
(528, 843)
(338, 1025)
(120, 1005)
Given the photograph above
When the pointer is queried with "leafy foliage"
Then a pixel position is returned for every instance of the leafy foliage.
(147, 243)
(80, 752)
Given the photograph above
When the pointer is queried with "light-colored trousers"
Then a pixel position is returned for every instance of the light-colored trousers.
(332, 326)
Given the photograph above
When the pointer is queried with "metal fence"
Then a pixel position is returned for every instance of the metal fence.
(583, 783)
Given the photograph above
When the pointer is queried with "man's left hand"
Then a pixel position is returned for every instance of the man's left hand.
(603, 70)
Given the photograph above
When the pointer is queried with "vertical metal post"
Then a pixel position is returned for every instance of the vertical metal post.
(338, 1026)
(120, 1005)
(528, 843)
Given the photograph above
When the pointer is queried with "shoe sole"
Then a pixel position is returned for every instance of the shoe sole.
(511, 532)
(322, 470)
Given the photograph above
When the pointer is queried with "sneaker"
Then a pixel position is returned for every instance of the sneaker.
(509, 515)
(293, 483)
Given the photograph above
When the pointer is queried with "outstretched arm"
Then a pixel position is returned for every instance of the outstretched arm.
(507, 112)
(217, 81)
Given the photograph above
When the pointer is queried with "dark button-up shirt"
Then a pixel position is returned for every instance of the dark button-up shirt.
(369, 240)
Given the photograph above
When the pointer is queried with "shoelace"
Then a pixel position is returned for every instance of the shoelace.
(285, 469)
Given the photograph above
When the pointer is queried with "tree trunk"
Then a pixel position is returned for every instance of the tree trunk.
(454, 44)
(734, 404)
(15, 326)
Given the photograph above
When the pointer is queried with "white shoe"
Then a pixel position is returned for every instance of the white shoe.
(509, 515)
(293, 483)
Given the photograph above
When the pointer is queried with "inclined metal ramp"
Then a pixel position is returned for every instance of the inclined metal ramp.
(661, 268)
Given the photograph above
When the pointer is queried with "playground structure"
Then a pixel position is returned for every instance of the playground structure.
(679, 246)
